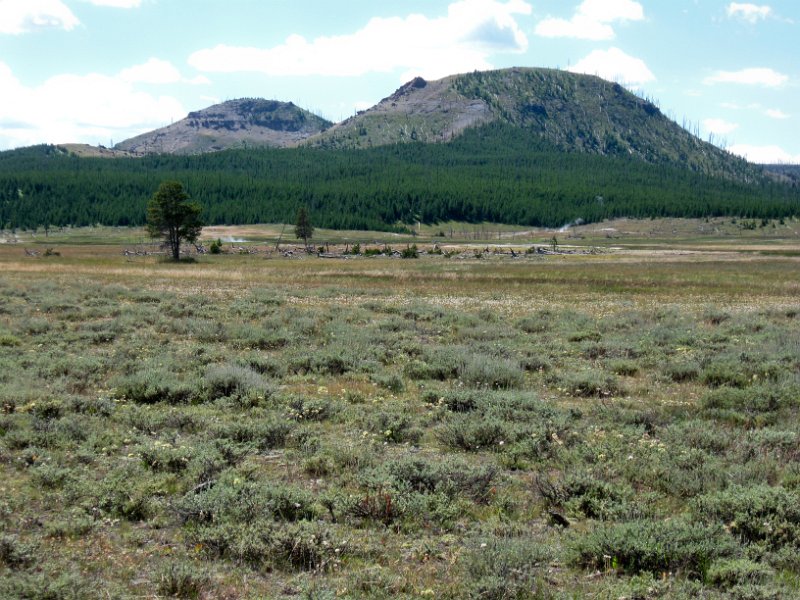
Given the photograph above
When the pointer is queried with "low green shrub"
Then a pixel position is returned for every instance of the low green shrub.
(538, 322)
(15, 554)
(49, 476)
(261, 338)
(725, 373)
(393, 383)
(752, 400)
(180, 580)
(504, 568)
(584, 495)
(655, 547)
(262, 544)
(738, 571)
(410, 252)
(165, 457)
(491, 372)
(235, 499)
(263, 433)
(49, 585)
(465, 432)
(240, 384)
(150, 385)
(128, 492)
(756, 514)
(303, 408)
(452, 477)
(682, 371)
(627, 368)
(394, 426)
(72, 525)
(590, 383)
(9, 341)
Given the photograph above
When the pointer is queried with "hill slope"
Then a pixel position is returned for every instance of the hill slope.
(573, 111)
(494, 172)
(233, 124)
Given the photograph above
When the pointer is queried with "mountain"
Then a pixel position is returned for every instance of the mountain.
(522, 146)
(247, 122)
(575, 112)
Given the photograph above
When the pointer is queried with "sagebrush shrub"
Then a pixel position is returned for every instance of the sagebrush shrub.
(238, 383)
(758, 513)
(153, 385)
(653, 546)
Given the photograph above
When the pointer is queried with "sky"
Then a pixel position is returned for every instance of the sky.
(101, 71)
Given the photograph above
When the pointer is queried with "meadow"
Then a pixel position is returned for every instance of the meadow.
(619, 422)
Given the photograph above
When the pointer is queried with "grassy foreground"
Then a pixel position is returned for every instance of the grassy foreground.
(568, 426)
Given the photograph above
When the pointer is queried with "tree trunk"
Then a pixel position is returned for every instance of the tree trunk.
(175, 243)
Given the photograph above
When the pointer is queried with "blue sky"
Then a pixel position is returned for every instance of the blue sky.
(98, 71)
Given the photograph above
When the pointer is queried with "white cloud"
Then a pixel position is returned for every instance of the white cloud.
(775, 113)
(91, 108)
(765, 154)
(762, 76)
(614, 65)
(198, 80)
(751, 13)
(592, 20)
(577, 27)
(23, 16)
(719, 126)
(117, 3)
(157, 71)
(153, 71)
(462, 41)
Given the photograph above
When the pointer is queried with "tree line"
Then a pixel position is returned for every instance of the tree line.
(496, 173)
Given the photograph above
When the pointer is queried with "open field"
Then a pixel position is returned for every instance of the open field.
(717, 232)
(621, 423)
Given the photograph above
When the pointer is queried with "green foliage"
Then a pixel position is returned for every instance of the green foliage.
(394, 426)
(303, 228)
(653, 546)
(738, 571)
(682, 371)
(240, 437)
(410, 252)
(48, 586)
(497, 173)
(505, 568)
(13, 553)
(299, 546)
(452, 477)
(755, 514)
(171, 217)
(240, 384)
(584, 495)
(235, 499)
(589, 383)
(180, 580)
(152, 385)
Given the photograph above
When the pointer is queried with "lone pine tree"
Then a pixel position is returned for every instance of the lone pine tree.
(172, 217)
(303, 228)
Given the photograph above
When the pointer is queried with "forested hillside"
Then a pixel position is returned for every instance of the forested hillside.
(574, 112)
(496, 172)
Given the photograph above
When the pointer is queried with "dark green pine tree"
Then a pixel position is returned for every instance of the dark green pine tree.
(172, 217)
(303, 228)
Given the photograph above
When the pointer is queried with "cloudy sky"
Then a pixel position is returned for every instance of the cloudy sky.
(100, 71)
